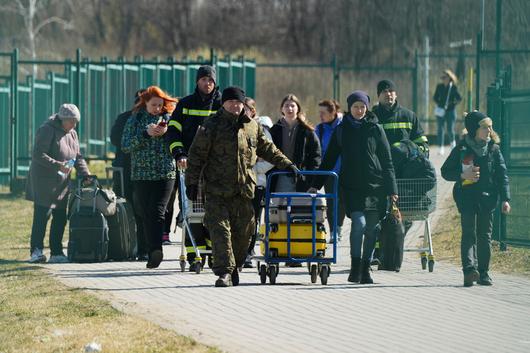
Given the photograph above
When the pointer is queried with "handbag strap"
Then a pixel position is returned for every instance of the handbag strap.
(448, 94)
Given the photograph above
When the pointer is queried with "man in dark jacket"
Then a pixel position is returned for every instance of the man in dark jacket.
(123, 160)
(224, 152)
(189, 114)
(398, 122)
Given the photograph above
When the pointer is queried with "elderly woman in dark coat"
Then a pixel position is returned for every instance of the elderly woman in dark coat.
(56, 144)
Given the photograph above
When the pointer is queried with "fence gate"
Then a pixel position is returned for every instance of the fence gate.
(510, 111)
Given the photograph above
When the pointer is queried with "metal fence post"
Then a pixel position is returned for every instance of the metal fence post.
(477, 68)
(77, 91)
(14, 116)
(415, 83)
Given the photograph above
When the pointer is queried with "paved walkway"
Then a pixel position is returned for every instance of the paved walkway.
(410, 311)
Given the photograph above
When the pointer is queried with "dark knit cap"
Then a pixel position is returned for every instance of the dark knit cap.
(206, 71)
(385, 84)
(472, 122)
(358, 96)
(233, 93)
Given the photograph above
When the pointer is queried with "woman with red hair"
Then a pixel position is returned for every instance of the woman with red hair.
(153, 170)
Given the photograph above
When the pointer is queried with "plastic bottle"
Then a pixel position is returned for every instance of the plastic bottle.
(69, 164)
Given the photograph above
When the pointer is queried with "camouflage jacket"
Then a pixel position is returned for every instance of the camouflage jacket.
(225, 150)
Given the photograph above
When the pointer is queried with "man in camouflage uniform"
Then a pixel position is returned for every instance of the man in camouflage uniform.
(223, 153)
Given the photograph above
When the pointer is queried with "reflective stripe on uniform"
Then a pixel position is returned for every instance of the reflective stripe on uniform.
(191, 249)
(421, 139)
(198, 112)
(175, 144)
(391, 126)
(208, 242)
(176, 124)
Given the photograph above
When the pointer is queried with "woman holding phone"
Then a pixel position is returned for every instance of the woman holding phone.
(153, 170)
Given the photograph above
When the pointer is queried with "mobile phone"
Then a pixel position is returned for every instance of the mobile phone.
(162, 123)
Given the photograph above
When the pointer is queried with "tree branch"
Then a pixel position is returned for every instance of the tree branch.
(50, 20)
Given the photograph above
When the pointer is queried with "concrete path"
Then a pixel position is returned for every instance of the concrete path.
(410, 311)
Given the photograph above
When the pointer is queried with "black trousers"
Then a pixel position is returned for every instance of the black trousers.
(152, 197)
(475, 247)
(41, 215)
(257, 204)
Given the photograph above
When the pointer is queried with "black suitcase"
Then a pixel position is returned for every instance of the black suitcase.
(89, 232)
(123, 244)
(122, 232)
(391, 240)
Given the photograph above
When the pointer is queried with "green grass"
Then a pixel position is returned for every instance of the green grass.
(446, 243)
(40, 314)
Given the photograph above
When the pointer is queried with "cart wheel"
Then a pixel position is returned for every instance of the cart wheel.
(324, 274)
(198, 267)
(423, 262)
(314, 273)
(431, 265)
(272, 274)
(263, 274)
(183, 265)
(258, 267)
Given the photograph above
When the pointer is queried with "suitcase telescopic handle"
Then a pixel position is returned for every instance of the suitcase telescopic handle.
(118, 170)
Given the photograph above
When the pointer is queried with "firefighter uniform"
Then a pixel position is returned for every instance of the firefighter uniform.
(401, 123)
(189, 114)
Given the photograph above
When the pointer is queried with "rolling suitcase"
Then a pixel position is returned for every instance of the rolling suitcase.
(123, 244)
(301, 240)
(300, 210)
(88, 240)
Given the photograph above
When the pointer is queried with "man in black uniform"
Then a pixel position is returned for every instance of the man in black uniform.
(190, 113)
(398, 122)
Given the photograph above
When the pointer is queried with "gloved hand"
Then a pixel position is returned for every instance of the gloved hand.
(297, 176)
(192, 191)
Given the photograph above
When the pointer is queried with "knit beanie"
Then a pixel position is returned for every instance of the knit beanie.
(206, 71)
(385, 84)
(358, 96)
(472, 122)
(69, 111)
(233, 92)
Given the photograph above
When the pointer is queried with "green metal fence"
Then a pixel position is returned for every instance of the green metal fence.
(102, 89)
(509, 110)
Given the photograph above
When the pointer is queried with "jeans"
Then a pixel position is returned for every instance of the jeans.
(475, 247)
(449, 120)
(341, 212)
(152, 197)
(363, 223)
(41, 215)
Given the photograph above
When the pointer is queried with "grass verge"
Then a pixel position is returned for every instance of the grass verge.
(39, 314)
(446, 242)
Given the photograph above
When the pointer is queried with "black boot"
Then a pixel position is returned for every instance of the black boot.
(485, 279)
(366, 278)
(235, 277)
(355, 274)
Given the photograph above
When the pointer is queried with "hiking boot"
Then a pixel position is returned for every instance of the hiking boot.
(58, 259)
(37, 256)
(165, 239)
(224, 280)
(485, 279)
(366, 278)
(235, 277)
(155, 258)
(470, 277)
(355, 274)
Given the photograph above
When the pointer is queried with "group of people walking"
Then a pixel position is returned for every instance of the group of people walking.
(219, 142)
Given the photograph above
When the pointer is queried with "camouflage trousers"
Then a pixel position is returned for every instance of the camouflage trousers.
(230, 222)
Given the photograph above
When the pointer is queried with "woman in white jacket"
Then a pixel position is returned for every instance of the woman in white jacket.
(260, 168)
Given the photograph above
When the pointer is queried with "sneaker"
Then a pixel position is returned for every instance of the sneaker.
(248, 262)
(37, 256)
(58, 259)
(224, 281)
(470, 277)
(485, 279)
(155, 258)
(165, 239)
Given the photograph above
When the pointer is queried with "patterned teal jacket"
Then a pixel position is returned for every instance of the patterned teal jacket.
(150, 158)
